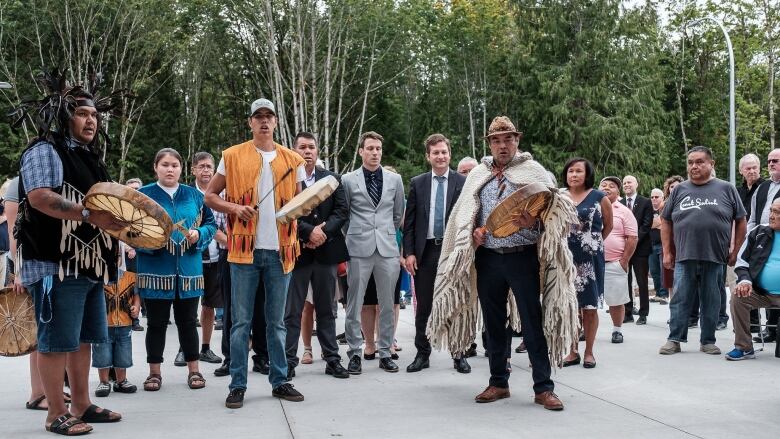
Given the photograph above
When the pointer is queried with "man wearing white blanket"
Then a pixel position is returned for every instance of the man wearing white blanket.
(534, 263)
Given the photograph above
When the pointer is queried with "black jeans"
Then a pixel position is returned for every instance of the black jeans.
(496, 274)
(259, 343)
(323, 285)
(158, 313)
(639, 265)
(424, 281)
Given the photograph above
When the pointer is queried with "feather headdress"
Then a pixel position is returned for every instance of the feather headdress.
(51, 114)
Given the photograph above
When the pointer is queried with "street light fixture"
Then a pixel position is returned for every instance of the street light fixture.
(732, 117)
(5, 85)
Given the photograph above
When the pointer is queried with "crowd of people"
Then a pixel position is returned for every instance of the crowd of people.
(271, 280)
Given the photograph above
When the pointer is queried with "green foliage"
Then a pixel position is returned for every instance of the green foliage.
(590, 78)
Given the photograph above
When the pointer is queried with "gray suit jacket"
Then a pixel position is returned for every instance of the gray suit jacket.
(373, 228)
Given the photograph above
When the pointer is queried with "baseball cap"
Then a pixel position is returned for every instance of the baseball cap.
(260, 104)
(613, 179)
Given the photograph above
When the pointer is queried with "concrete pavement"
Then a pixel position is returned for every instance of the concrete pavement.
(632, 393)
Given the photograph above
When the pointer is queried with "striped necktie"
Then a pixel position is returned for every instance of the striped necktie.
(373, 189)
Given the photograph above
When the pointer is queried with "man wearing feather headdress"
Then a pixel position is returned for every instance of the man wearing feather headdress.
(534, 263)
(64, 255)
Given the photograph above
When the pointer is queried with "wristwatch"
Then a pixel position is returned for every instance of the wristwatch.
(85, 215)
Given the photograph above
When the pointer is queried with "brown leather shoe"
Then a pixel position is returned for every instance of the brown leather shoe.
(492, 393)
(549, 400)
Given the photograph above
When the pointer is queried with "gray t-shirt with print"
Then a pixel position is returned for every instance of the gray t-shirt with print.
(701, 218)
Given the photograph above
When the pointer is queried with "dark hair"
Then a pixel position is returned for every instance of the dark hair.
(305, 135)
(370, 135)
(434, 139)
(168, 151)
(590, 177)
(703, 149)
(200, 156)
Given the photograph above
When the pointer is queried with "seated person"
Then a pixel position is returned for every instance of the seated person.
(758, 280)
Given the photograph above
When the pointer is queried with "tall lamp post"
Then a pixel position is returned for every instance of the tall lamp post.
(732, 117)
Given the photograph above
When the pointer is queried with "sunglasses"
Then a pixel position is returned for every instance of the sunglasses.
(773, 161)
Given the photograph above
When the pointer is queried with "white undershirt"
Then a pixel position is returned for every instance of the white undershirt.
(266, 238)
(169, 190)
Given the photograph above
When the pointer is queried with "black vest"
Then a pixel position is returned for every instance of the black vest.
(79, 248)
(761, 196)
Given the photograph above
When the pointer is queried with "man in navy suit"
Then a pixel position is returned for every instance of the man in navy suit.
(322, 249)
(431, 197)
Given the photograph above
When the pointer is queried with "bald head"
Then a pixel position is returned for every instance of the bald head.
(466, 164)
(630, 184)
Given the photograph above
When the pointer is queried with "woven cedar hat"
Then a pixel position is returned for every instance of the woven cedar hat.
(502, 125)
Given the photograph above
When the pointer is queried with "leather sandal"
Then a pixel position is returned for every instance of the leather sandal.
(153, 383)
(92, 415)
(196, 381)
(65, 425)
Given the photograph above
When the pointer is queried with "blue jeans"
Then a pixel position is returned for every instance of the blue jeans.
(656, 261)
(116, 353)
(692, 278)
(245, 278)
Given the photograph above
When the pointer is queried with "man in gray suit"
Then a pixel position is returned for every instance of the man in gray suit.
(376, 206)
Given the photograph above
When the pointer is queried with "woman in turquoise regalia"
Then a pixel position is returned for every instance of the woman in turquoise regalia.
(173, 275)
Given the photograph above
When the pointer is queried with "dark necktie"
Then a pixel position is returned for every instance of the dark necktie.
(373, 189)
(630, 204)
(438, 208)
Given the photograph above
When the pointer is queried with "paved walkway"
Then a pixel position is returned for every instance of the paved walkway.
(632, 393)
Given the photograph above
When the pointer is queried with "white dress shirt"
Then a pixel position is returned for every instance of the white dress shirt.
(432, 208)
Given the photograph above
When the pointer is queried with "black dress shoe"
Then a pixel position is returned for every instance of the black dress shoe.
(574, 362)
(369, 356)
(335, 368)
(354, 367)
(642, 320)
(223, 370)
(394, 356)
(461, 365)
(418, 364)
(261, 365)
(179, 360)
(388, 365)
(617, 337)
(471, 352)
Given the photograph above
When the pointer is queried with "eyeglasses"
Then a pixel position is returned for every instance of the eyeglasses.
(773, 161)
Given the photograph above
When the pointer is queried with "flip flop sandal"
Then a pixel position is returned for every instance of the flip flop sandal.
(65, 423)
(35, 404)
(153, 383)
(93, 416)
(196, 377)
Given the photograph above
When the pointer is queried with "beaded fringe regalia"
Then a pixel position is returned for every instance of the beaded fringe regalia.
(87, 255)
(455, 315)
